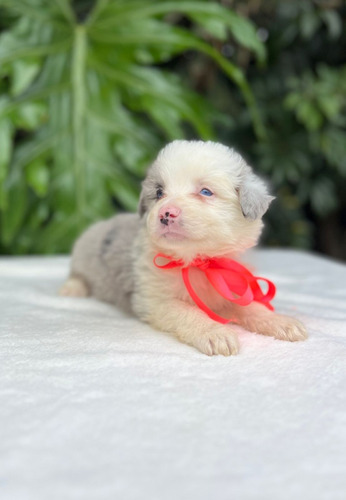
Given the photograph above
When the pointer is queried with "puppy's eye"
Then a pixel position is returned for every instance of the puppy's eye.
(159, 193)
(205, 192)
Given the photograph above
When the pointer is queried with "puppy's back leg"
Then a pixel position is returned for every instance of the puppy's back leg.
(74, 287)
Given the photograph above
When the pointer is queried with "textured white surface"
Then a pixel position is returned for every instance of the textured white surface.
(95, 405)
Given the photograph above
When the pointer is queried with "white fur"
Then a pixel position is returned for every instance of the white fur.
(113, 260)
(215, 226)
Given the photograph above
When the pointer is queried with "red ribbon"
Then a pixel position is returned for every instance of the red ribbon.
(229, 278)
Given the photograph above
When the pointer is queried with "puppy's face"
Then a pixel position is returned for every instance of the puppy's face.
(201, 198)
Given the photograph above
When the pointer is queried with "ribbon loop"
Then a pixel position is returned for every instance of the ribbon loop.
(170, 265)
(229, 278)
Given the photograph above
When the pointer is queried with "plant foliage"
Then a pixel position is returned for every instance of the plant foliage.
(301, 96)
(87, 99)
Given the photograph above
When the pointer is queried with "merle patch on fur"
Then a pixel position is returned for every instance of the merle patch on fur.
(107, 242)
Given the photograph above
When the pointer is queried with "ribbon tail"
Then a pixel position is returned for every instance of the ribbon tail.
(199, 302)
(223, 286)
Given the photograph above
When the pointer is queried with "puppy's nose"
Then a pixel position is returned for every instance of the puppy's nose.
(168, 213)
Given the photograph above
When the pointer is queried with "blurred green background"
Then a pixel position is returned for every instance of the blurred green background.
(90, 90)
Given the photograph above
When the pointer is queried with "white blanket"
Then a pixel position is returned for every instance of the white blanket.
(96, 405)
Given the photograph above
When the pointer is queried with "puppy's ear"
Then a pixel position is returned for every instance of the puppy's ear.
(142, 204)
(149, 187)
(253, 196)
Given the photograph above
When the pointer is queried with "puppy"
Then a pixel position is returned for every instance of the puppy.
(200, 200)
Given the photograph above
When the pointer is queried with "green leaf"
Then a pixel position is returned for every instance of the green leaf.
(292, 100)
(125, 191)
(13, 217)
(37, 176)
(210, 14)
(58, 235)
(212, 25)
(245, 33)
(323, 196)
(135, 157)
(330, 105)
(309, 24)
(33, 10)
(29, 116)
(6, 132)
(332, 143)
(333, 21)
(23, 73)
(310, 116)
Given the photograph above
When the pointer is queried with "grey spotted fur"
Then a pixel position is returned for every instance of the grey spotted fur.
(102, 258)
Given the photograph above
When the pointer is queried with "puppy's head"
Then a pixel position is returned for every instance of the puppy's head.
(201, 198)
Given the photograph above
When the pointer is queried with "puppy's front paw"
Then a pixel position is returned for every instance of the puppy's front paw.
(286, 328)
(218, 341)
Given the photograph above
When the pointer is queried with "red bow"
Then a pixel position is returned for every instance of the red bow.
(229, 278)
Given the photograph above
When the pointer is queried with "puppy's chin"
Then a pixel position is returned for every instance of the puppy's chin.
(169, 239)
(175, 242)
(183, 245)
(170, 232)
